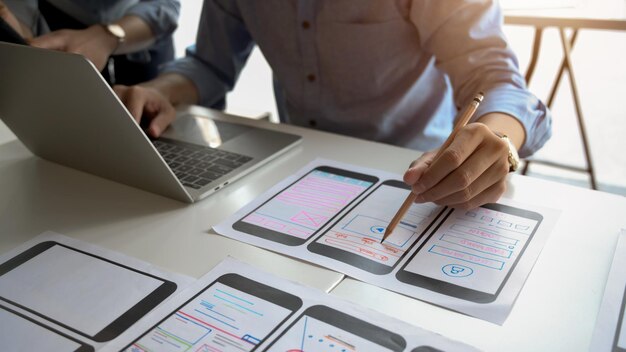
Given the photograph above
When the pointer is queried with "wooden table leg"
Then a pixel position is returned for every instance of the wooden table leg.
(566, 64)
(535, 54)
(567, 50)
(557, 80)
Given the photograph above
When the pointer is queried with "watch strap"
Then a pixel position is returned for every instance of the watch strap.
(513, 156)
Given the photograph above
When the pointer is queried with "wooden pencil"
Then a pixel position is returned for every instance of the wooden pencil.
(460, 122)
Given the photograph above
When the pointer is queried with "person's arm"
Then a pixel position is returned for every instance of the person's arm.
(96, 43)
(161, 16)
(155, 100)
(209, 71)
(19, 25)
(467, 41)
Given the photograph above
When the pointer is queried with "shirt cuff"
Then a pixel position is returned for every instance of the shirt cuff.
(211, 90)
(161, 17)
(526, 108)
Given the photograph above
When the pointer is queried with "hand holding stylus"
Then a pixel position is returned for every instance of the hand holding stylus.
(467, 171)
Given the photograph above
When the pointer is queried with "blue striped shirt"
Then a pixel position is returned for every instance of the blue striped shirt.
(394, 71)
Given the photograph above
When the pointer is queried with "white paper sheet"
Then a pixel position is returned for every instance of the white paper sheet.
(63, 293)
(610, 331)
(20, 334)
(483, 257)
(222, 311)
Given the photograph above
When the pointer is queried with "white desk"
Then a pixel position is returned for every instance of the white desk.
(556, 309)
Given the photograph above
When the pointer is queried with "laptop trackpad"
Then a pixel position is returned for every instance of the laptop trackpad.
(203, 131)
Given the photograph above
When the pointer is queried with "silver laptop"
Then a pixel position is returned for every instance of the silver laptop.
(62, 110)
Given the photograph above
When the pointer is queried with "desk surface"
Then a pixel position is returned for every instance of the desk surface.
(590, 14)
(556, 309)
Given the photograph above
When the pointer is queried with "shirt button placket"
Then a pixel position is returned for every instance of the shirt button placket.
(308, 48)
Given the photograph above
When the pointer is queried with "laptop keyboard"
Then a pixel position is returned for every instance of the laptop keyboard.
(197, 166)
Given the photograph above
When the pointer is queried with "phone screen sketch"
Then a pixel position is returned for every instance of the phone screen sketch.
(21, 333)
(472, 253)
(619, 344)
(355, 238)
(321, 328)
(231, 314)
(87, 294)
(296, 213)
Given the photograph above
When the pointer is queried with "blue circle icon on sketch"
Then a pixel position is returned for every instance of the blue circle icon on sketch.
(377, 229)
(456, 270)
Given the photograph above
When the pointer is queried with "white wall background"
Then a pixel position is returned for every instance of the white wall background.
(599, 63)
(253, 94)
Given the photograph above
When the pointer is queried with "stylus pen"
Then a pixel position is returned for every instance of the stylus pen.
(460, 122)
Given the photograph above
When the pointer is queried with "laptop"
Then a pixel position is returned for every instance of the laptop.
(62, 110)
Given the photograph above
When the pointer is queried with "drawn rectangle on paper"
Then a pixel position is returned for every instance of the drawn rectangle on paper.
(476, 245)
(355, 238)
(91, 296)
(232, 313)
(467, 257)
(474, 251)
(298, 211)
(482, 233)
(20, 333)
(609, 334)
(321, 328)
(620, 333)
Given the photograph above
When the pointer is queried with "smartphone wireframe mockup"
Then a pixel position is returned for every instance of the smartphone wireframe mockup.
(297, 212)
(87, 294)
(16, 326)
(321, 328)
(619, 342)
(471, 254)
(355, 238)
(233, 313)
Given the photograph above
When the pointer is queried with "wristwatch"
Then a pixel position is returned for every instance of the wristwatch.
(117, 31)
(513, 157)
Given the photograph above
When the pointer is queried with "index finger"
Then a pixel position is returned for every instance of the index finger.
(165, 116)
(463, 145)
(133, 100)
(53, 41)
(417, 168)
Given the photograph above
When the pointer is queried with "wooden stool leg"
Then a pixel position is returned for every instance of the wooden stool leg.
(579, 115)
(557, 80)
(535, 54)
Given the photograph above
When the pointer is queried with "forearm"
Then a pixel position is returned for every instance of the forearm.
(505, 124)
(15, 17)
(139, 35)
(178, 89)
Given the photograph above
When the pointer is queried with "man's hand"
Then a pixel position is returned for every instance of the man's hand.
(155, 100)
(12, 21)
(146, 102)
(469, 173)
(95, 43)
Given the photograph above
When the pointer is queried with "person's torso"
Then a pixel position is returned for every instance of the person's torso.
(94, 11)
(354, 67)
